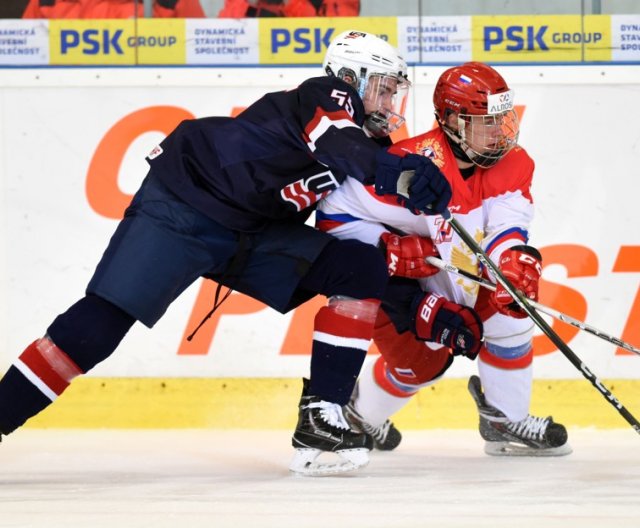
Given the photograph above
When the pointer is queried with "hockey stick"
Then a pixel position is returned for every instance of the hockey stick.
(440, 264)
(526, 306)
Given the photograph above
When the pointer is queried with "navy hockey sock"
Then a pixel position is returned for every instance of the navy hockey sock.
(77, 340)
(341, 338)
(90, 330)
(343, 330)
(334, 371)
(19, 400)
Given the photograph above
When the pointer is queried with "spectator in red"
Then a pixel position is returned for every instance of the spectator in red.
(290, 8)
(111, 9)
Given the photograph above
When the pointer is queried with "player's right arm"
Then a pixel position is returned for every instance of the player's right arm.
(332, 116)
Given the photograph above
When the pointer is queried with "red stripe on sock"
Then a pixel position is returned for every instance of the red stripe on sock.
(51, 364)
(507, 364)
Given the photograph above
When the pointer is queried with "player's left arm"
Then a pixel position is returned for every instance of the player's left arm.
(509, 211)
(405, 254)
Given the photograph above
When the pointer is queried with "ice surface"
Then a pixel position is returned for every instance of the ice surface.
(239, 479)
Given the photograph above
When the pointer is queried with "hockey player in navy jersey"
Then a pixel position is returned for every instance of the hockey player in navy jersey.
(227, 199)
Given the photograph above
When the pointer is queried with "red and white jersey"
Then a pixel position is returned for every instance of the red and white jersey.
(494, 205)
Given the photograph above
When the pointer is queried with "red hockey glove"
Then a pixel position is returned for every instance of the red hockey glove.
(450, 324)
(522, 266)
(406, 255)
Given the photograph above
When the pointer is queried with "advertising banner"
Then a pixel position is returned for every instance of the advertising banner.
(222, 41)
(625, 30)
(117, 42)
(303, 41)
(24, 42)
(541, 38)
(435, 39)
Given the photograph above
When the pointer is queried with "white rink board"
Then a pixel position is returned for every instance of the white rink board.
(580, 126)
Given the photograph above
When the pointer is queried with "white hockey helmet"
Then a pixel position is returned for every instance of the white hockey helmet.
(375, 69)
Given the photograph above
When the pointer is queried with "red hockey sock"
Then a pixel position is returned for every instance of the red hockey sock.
(47, 367)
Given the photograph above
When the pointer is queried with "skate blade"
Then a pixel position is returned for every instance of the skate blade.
(304, 462)
(512, 449)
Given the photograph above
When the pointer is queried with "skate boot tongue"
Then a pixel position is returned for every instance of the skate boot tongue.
(330, 413)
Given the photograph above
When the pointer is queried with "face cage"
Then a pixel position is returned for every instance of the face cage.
(486, 139)
(385, 99)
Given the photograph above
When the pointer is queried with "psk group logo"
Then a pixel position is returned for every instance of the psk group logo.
(124, 42)
(305, 40)
(540, 38)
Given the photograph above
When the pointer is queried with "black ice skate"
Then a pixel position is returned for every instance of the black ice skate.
(323, 428)
(385, 437)
(532, 436)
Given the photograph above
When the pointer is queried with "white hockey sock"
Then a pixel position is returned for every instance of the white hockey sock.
(508, 390)
(373, 402)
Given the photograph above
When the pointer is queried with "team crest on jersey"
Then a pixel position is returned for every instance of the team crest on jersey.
(307, 191)
(432, 149)
(463, 258)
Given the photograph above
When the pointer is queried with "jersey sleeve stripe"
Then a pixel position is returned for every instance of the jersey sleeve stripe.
(322, 122)
(515, 233)
(340, 217)
(327, 222)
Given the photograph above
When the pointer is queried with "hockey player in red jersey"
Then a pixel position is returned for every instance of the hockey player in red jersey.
(427, 317)
(227, 199)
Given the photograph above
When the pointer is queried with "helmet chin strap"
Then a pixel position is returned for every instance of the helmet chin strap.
(377, 124)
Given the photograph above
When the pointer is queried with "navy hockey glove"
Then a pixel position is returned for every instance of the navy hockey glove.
(453, 325)
(419, 184)
(522, 266)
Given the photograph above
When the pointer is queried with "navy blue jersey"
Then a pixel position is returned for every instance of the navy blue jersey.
(275, 160)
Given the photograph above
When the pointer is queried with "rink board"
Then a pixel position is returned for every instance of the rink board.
(233, 403)
(72, 148)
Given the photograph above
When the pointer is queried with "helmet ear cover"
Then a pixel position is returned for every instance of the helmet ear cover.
(348, 76)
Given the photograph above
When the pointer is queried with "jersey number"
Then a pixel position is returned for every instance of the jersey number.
(343, 100)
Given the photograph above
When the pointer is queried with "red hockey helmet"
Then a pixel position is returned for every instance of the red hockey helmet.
(486, 125)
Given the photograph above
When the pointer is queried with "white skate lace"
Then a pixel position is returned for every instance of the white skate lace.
(330, 413)
(379, 433)
(531, 427)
